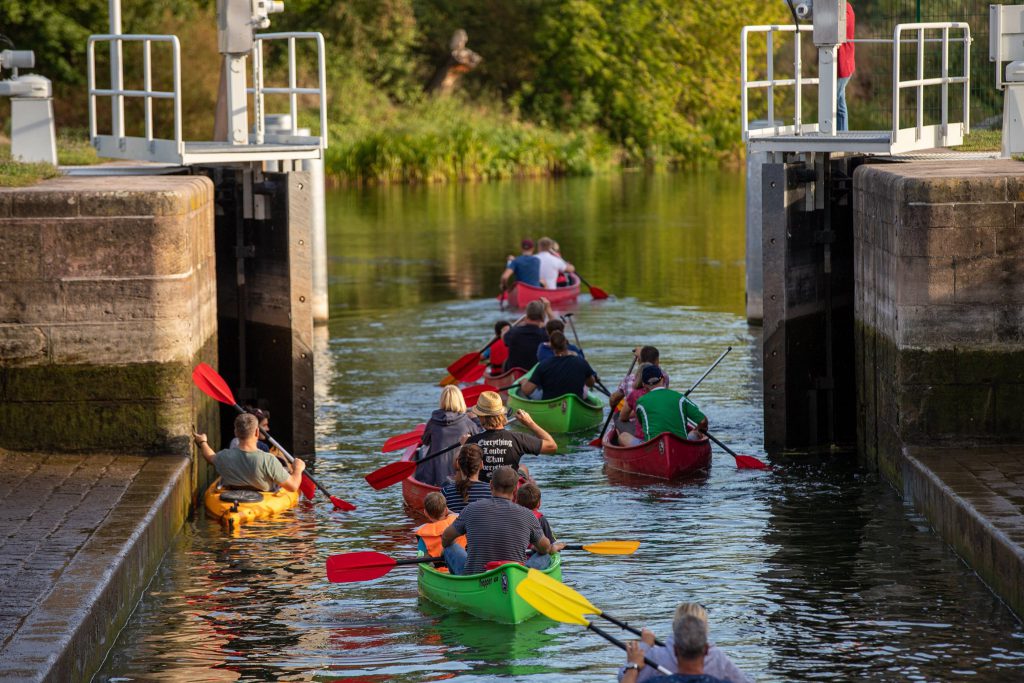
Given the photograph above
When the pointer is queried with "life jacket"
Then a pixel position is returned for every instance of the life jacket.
(431, 535)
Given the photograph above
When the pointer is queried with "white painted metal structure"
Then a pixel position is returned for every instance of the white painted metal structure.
(800, 136)
(242, 147)
(1006, 44)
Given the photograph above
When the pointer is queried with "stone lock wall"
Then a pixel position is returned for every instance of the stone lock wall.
(939, 309)
(107, 301)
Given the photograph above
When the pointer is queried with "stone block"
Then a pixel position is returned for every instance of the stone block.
(924, 280)
(1009, 324)
(120, 343)
(991, 214)
(6, 200)
(31, 303)
(925, 366)
(134, 382)
(20, 251)
(954, 189)
(989, 280)
(924, 216)
(21, 344)
(988, 365)
(122, 247)
(1009, 414)
(944, 325)
(947, 243)
(123, 300)
(44, 201)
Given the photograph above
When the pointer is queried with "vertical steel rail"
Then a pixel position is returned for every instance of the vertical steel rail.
(965, 31)
(257, 90)
(945, 81)
(90, 76)
(116, 72)
(770, 72)
(147, 85)
(293, 97)
(798, 67)
(898, 31)
(920, 84)
(321, 51)
(743, 83)
(176, 61)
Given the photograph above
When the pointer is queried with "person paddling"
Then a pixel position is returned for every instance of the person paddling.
(523, 339)
(661, 410)
(497, 530)
(246, 466)
(551, 264)
(498, 353)
(447, 425)
(544, 350)
(564, 373)
(467, 486)
(525, 267)
(500, 446)
(682, 653)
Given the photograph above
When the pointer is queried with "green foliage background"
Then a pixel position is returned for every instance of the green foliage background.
(565, 86)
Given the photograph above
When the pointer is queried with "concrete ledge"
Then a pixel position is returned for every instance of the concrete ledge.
(974, 498)
(87, 596)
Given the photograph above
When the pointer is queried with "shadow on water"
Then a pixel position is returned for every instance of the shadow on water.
(814, 570)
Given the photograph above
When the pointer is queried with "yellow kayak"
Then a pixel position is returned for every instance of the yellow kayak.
(241, 507)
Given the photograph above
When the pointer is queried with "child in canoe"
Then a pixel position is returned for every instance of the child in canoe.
(528, 496)
(428, 536)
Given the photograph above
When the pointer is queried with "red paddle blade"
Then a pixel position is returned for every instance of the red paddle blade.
(390, 474)
(464, 364)
(402, 441)
(749, 462)
(212, 384)
(472, 394)
(474, 374)
(362, 566)
(342, 504)
(598, 293)
(597, 441)
(307, 487)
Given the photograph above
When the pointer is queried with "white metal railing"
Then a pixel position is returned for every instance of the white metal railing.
(919, 83)
(903, 138)
(770, 83)
(119, 93)
(259, 91)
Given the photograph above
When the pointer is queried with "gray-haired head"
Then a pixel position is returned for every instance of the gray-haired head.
(245, 425)
(535, 311)
(691, 635)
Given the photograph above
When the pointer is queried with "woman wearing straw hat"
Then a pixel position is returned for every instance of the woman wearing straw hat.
(500, 446)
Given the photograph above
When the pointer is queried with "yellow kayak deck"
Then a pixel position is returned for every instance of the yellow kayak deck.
(234, 515)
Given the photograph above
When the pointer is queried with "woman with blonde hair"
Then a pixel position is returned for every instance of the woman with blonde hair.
(446, 426)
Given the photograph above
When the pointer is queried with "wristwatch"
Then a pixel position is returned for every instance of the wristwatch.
(632, 665)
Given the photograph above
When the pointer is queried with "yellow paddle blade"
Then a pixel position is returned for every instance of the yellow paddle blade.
(549, 604)
(561, 592)
(612, 547)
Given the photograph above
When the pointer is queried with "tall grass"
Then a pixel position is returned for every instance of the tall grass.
(449, 140)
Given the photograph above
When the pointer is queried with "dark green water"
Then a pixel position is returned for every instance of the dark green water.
(812, 571)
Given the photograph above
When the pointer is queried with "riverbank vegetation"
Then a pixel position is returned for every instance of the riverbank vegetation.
(562, 86)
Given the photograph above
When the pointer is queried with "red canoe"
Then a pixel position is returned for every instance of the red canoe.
(521, 294)
(503, 380)
(666, 456)
(414, 490)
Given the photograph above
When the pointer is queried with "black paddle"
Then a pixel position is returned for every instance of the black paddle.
(611, 413)
(568, 318)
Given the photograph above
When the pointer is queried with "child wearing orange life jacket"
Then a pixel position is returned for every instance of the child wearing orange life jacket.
(528, 496)
(428, 536)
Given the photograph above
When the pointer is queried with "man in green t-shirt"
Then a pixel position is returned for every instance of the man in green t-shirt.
(247, 467)
(663, 410)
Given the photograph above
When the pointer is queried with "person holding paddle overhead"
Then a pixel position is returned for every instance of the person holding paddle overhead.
(500, 446)
(716, 665)
(661, 410)
(564, 373)
(497, 530)
(447, 425)
(246, 466)
(523, 339)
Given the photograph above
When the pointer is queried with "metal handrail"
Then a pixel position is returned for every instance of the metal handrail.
(920, 82)
(770, 83)
(292, 90)
(147, 93)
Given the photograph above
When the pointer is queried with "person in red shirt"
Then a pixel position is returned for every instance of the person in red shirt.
(845, 68)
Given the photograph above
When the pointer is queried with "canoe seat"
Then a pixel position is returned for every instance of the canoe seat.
(241, 496)
(497, 563)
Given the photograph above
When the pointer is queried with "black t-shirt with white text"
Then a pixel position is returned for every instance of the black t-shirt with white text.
(502, 447)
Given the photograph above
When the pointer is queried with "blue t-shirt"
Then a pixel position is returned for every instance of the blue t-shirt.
(686, 678)
(544, 351)
(526, 268)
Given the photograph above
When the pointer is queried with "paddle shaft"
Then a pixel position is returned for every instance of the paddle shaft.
(615, 641)
(450, 448)
(708, 371)
(611, 413)
(624, 625)
(597, 380)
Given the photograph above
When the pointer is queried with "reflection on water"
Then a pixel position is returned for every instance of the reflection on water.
(811, 571)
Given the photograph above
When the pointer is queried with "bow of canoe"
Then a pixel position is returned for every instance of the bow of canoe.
(234, 514)
(666, 456)
(491, 595)
(414, 490)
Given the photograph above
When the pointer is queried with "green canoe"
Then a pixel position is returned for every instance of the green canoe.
(568, 413)
(491, 595)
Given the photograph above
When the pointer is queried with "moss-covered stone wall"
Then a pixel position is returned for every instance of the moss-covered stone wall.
(107, 301)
